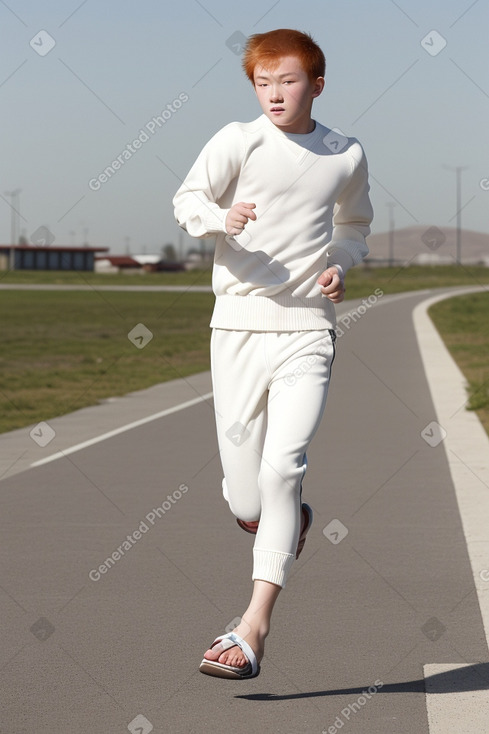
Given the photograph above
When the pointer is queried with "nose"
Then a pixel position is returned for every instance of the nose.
(275, 93)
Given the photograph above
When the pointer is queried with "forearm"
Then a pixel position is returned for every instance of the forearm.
(352, 218)
(197, 214)
(198, 201)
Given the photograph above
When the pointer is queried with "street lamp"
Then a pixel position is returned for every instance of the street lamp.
(14, 214)
(458, 172)
(391, 205)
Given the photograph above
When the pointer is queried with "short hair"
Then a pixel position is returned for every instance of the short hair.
(268, 48)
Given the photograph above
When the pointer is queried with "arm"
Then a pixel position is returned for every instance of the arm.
(196, 202)
(351, 224)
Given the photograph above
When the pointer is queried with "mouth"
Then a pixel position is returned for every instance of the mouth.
(277, 109)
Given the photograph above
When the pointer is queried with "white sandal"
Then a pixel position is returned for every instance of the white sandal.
(220, 670)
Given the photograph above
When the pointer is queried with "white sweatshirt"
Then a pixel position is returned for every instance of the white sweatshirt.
(312, 211)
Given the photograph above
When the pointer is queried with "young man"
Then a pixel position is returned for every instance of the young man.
(287, 200)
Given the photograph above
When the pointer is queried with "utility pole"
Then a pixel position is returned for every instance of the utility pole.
(458, 179)
(391, 205)
(180, 245)
(14, 215)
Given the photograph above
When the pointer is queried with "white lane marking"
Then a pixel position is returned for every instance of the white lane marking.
(122, 429)
(464, 707)
(456, 698)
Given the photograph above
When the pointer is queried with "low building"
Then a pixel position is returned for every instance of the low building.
(52, 257)
(117, 264)
(135, 264)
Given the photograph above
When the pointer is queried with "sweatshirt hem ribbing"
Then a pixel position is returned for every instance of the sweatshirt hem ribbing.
(273, 313)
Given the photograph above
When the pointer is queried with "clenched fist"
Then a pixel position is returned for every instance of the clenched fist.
(237, 217)
(332, 284)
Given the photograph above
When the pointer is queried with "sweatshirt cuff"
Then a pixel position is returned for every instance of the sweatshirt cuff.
(346, 252)
(214, 220)
(342, 260)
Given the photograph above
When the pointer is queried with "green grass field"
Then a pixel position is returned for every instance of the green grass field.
(361, 280)
(71, 277)
(463, 322)
(63, 351)
(66, 350)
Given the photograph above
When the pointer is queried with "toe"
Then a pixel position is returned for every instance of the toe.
(234, 657)
(213, 653)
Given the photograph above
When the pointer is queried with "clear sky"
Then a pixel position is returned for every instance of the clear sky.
(79, 81)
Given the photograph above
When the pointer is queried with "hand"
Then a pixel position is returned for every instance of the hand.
(333, 287)
(238, 216)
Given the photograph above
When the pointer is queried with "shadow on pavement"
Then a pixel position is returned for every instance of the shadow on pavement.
(467, 678)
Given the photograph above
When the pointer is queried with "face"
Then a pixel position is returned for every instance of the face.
(286, 95)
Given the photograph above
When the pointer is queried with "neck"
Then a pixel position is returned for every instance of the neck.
(303, 128)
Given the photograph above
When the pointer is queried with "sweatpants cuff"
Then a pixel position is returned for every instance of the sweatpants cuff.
(272, 566)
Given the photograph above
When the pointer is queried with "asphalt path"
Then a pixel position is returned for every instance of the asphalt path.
(383, 589)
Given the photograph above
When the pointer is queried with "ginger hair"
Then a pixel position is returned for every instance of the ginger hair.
(267, 49)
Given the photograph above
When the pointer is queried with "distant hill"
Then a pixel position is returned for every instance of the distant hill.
(430, 244)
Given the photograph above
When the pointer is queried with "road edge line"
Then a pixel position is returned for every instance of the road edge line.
(466, 445)
(121, 429)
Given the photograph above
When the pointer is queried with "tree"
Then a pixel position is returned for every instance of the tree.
(169, 253)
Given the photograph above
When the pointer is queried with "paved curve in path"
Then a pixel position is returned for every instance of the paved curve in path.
(383, 588)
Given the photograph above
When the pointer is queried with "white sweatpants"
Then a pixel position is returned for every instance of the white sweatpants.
(270, 391)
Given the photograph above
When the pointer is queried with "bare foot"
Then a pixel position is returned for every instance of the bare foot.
(234, 656)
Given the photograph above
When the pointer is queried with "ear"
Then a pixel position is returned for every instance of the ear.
(318, 86)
